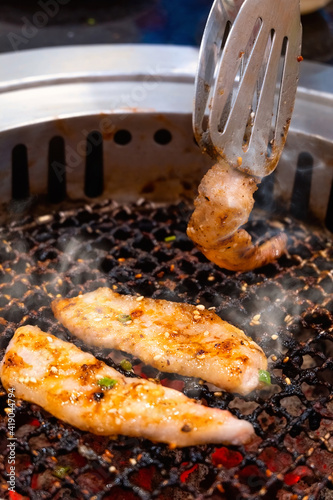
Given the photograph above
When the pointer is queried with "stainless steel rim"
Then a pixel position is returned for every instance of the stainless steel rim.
(68, 90)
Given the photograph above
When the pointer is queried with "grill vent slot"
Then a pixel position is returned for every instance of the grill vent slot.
(20, 172)
(56, 182)
(329, 213)
(264, 196)
(93, 181)
(162, 136)
(122, 137)
(302, 186)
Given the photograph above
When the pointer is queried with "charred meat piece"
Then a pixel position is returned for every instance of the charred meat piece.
(78, 388)
(224, 203)
(172, 337)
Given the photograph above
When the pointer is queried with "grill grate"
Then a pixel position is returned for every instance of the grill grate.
(285, 307)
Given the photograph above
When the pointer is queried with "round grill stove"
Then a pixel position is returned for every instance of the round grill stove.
(98, 167)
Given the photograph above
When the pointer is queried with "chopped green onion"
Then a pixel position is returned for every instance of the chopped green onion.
(107, 382)
(170, 238)
(264, 377)
(126, 365)
(123, 318)
(61, 471)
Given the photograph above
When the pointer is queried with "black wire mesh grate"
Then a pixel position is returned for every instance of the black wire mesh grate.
(286, 307)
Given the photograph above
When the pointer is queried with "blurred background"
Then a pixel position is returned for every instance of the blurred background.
(27, 24)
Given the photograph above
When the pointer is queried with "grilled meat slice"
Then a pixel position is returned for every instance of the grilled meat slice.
(172, 337)
(224, 204)
(78, 388)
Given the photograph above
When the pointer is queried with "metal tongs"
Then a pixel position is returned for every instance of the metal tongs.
(246, 82)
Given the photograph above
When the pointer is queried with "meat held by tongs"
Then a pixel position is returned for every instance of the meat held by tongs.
(246, 83)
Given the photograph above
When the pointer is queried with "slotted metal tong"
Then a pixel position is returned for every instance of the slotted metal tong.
(246, 82)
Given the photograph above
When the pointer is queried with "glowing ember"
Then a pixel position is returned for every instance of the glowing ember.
(184, 475)
(227, 458)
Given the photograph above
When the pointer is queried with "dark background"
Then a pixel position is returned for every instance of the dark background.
(25, 25)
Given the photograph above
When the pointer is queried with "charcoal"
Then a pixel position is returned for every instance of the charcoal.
(286, 307)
